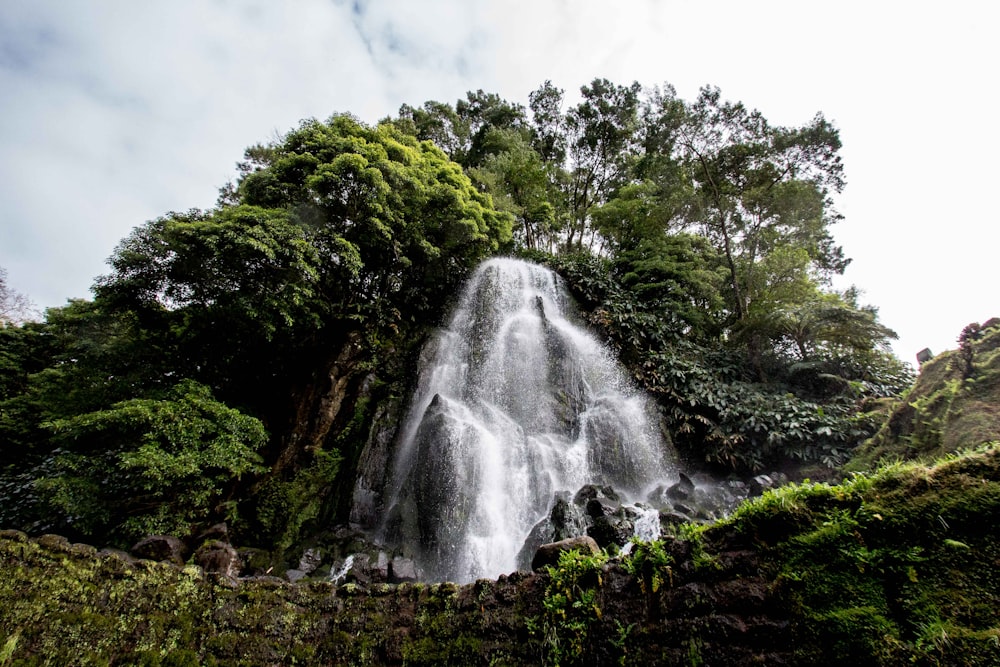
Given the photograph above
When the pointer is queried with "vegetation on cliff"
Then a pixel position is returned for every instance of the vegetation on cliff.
(954, 404)
(145, 409)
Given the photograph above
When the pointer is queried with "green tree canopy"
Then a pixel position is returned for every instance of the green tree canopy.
(148, 465)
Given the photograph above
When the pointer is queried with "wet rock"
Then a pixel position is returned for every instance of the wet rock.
(590, 491)
(311, 559)
(360, 570)
(294, 575)
(613, 529)
(686, 510)
(539, 535)
(402, 570)
(548, 554)
(598, 507)
(375, 463)
(682, 489)
(380, 570)
(218, 557)
(567, 519)
(161, 548)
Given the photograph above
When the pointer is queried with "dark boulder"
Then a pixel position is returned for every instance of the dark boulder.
(590, 491)
(380, 570)
(598, 507)
(612, 529)
(682, 489)
(567, 519)
(161, 548)
(218, 557)
(548, 554)
(311, 559)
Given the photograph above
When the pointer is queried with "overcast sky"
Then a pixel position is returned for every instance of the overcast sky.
(113, 113)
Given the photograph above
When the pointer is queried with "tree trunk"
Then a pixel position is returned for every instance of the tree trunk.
(317, 405)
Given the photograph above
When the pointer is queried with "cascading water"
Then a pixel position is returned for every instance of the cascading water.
(514, 403)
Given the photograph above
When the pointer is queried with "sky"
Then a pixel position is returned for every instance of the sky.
(113, 113)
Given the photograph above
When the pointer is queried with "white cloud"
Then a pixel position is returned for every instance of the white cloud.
(115, 113)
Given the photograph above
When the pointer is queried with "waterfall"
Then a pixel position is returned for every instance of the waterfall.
(515, 402)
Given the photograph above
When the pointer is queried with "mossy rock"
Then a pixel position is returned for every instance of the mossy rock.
(884, 569)
(953, 405)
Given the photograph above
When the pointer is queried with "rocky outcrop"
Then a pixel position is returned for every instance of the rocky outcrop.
(953, 404)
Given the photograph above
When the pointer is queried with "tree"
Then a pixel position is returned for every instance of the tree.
(487, 117)
(387, 214)
(516, 178)
(334, 225)
(829, 324)
(548, 131)
(14, 306)
(680, 275)
(761, 188)
(601, 132)
(439, 123)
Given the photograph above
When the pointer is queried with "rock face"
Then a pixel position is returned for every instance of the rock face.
(952, 406)
(596, 511)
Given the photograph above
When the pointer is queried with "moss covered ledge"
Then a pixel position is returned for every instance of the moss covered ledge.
(896, 567)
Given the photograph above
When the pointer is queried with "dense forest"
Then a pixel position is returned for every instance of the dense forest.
(234, 362)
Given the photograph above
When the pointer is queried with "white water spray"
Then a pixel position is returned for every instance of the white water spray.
(338, 575)
(647, 526)
(514, 403)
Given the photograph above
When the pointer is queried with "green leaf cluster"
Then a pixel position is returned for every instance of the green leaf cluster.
(150, 466)
(571, 606)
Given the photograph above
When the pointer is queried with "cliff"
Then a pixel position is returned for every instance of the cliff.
(954, 404)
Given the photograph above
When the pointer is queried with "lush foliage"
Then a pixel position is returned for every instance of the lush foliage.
(881, 566)
(695, 235)
(143, 410)
(150, 466)
(714, 404)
